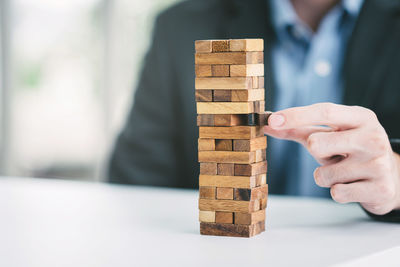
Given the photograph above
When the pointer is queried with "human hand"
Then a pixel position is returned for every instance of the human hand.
(357, 161)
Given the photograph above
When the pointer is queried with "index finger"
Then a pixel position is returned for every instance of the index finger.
(333, 115)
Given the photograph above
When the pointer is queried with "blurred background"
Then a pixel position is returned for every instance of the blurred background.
(68, 70)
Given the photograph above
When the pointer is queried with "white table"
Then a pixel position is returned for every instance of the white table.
(61, 223)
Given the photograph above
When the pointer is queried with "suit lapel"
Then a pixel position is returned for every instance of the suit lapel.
(369, 52)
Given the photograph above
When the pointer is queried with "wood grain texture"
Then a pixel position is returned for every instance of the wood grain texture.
(205, 120)
(206, 144)
(247, 194)
(204, 95)
(230, 119)
(220, 70)
(246, 70)
(233, 230)
(247, 95)
(208, 168)
(249, 218)
(203, 70)
(223, 217)
(261, 155)
(250, 144)
(229, 58)
(258, 106)
(207, 192)
(217, 83)
(235, 132)
(203, 46)
(220, 45)
(251, 169)
(223, 95)
(223, 145)
(225, 107)
(224, 193)
(206, 216)
(246, 45)
(229, 205)
(228, 157)
(226, 181)
(227, 169)
(261, 179)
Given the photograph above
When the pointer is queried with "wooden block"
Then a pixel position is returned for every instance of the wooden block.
(229, 58)
(206, 216)
(255, 82)
(233, 230)
(239, 95)
(263, 203)
(246, 70)
(250, 144)
(250, 218)
(206, 144)
(259, 106)
(209, 168)
(223, 217)
(203, 70)
(261, 155)
(207, 192)
(261, 179)
(223, 145)
(203, 46)
(223, 95)
(213, 181)
(247, 95)
(228, 157)
(235, 132)
(227, 169)
(225, 193)
(261, 82)
(205, 120)
(217, 83)
(262, 118)
(246, 45)
(220, 70)
(204, 95)
(230, 119)
(251, 169)
(220, 45)
(247, 194)
(225, 107)
(229, 205)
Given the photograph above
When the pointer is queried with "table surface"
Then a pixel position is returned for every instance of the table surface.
(63, 223)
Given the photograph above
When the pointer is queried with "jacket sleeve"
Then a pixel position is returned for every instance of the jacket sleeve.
(145, 151)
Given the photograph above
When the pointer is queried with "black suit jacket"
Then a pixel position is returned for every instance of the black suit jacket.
(158, 145)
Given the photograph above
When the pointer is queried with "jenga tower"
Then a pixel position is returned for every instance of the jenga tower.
(232, 156)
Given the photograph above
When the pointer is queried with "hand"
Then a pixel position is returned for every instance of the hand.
(357, 161)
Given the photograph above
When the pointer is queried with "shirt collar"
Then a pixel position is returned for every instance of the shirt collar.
(284, 14)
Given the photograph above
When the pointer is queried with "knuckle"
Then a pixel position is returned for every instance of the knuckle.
(327, 110)
(368, 113)
(378, 141)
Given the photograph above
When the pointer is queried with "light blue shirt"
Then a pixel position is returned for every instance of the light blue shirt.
(307, 68)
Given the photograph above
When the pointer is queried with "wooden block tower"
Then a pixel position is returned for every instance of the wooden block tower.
(230, 106)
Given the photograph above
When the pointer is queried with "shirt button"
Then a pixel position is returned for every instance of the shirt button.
(322, 68)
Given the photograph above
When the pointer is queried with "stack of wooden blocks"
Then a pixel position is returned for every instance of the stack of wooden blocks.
(230, 106)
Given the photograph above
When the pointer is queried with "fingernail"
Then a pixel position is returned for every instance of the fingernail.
(276, 120)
